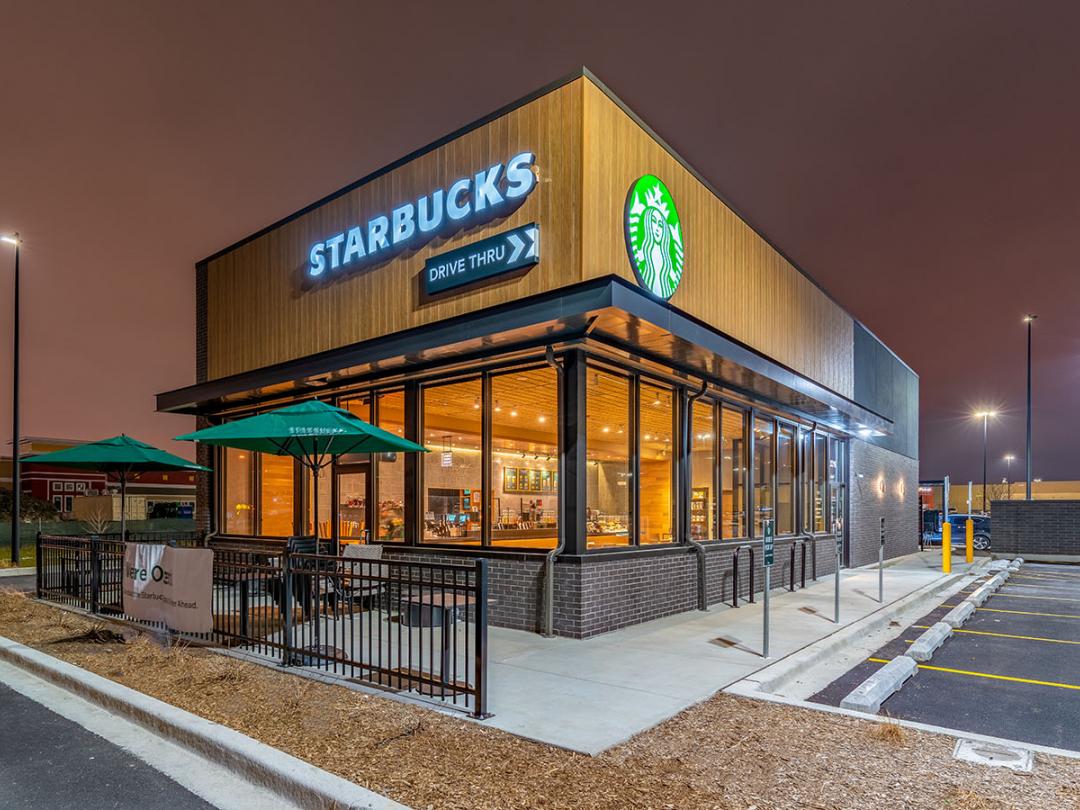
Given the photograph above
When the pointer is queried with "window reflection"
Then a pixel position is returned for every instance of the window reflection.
(702, 466)
(785, 480)
(608, 475)
(276, 495)
(390, 470)
(819, 483)
(764, 431)
(656, 429)
(733, 473)
(836, 482)
(452, 470)
(806, 480)
(525, 458)
(239, 506)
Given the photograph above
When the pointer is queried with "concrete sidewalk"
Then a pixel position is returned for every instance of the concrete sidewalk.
(588, 695)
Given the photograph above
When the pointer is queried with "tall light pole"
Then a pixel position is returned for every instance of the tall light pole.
(16, 479)
(985, 416)
(1029, 319)
(1009, 459)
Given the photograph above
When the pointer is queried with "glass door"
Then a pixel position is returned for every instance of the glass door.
(352, 499)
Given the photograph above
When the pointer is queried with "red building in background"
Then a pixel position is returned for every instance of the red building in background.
(62, 485)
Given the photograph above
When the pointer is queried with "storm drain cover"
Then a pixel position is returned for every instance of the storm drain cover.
(994, 755)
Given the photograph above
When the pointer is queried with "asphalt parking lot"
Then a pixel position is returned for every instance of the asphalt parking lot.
(1012, 670)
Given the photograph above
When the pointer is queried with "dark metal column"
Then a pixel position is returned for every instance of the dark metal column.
(16, 477)
(1028, 319)
(572, 426)
(413, 509)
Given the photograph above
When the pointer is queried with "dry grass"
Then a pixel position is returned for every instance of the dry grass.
(890, 732)
(724, 753)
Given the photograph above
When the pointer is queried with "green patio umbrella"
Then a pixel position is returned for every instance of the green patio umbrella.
(120, 456)
(312, 432)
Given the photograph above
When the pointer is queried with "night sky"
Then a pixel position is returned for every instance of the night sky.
(918, 159)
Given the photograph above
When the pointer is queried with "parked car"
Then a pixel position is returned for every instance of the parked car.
(980, 540)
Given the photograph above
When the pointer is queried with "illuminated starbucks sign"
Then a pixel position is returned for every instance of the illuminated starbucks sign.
(485, 195)
(654, 238)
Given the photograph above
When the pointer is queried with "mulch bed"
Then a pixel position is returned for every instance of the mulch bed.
(727, 752)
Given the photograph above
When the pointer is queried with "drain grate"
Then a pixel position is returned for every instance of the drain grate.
(994, 755)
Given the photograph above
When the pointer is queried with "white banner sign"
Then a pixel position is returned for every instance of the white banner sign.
(170, 585)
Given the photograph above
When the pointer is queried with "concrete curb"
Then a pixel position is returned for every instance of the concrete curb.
(742, 690)
(17, 572)
(776, 676)
(871, 693)
(959, 614)
(291, 778)
(922, 649)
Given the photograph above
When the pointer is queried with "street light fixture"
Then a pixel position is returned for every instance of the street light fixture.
(16, 478)
(1009, 459)
(1029, 319)
(985, 416)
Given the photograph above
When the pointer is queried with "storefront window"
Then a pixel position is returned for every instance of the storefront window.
(819, 483)
(733, 473)
(276, 495)
(764, 437)
(325, 505)
(239, 506)
(702, 468)
(390, 470)
(608, 473)
(785, 480)
(836, 482)
(656, 429)
(806, 480)
(525, 458)
(453, 469)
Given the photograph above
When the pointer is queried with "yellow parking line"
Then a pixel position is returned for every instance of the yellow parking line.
(974, 674)
(1029, 596)
(1041, 586)
(1030, 613)
(1000, 635)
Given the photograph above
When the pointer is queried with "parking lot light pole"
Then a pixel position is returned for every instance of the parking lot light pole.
(16, 479)
(985, 416)
(1009, 459)
(1028, 319)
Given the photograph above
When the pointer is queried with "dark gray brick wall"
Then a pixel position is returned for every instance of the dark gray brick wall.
(874, 468)
(1035, 527)
(603, 593)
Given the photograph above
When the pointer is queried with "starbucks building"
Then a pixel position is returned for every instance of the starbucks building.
(623, 385)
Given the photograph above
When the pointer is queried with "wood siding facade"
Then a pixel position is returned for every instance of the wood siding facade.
(588, 152)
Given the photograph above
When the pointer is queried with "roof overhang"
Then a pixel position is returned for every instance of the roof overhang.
(609, 311)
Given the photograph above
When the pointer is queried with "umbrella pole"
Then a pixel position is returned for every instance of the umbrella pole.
(123, 507)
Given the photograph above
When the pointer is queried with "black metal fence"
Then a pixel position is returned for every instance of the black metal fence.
(418, 627)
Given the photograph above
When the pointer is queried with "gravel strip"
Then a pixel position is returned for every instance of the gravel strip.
(726, 752)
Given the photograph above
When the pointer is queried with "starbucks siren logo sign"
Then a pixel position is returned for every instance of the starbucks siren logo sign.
(654, 237)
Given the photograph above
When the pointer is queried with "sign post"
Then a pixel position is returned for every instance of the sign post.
(768, 547)
(881, 563)
(839, 560)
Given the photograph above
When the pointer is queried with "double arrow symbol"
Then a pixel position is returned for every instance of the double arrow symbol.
(526, 247)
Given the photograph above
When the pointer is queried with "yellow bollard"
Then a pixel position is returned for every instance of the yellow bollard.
(969, 537)
(946, 547)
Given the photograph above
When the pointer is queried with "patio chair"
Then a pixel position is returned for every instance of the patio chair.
(351, 589)
(306, 579)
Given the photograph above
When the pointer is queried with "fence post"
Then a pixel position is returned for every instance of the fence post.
(95, 575)
(287, 609)
(37, 565)
(480, 709)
